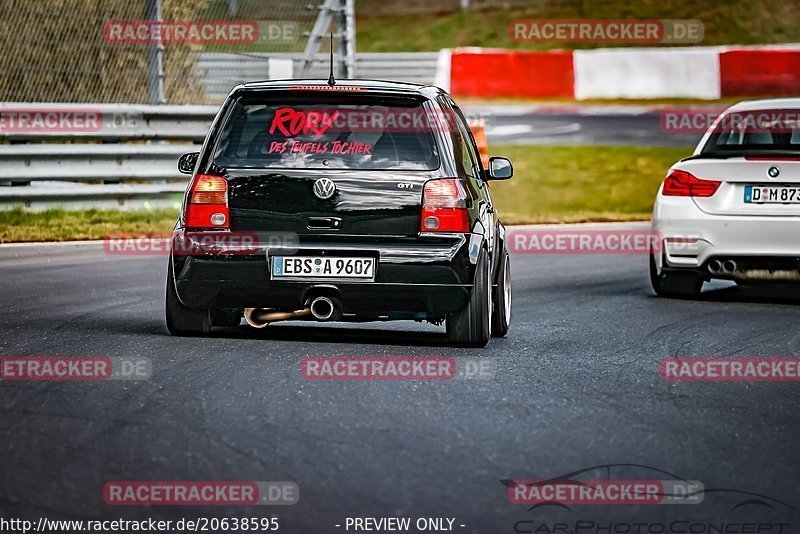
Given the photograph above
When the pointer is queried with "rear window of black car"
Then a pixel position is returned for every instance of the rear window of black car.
(327, 131)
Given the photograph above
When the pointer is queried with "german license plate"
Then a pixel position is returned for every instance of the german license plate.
(772, 194)
(322, 267)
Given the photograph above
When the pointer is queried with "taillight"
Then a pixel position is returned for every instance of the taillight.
(444, 207)
(207, 204)
(684, 184)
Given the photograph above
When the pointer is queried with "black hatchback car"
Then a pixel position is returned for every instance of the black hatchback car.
(359, 201)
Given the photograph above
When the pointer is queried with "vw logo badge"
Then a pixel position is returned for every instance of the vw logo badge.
(773, 172)
(324, 188)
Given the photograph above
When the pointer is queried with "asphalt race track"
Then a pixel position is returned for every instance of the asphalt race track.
(576, 384)
(582, 125)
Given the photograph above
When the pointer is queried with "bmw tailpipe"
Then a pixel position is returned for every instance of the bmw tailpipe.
(714, 266)
(729, 266)
(261, 317)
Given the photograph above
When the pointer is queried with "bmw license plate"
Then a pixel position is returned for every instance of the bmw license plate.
(757, 194)
(323, 267)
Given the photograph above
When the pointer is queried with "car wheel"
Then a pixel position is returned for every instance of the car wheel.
(501, 312)
(676, 284)
(183, 321)
(472, 326)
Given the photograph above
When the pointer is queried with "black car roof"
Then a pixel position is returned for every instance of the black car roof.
(361, 86)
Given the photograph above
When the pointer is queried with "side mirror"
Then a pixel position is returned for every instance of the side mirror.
(500, 169)
(187, 162)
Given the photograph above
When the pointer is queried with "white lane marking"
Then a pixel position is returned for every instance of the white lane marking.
(510, 129)
(621, 225)
(631, 224)
(521, 129)
(543, 110)
(51, 243)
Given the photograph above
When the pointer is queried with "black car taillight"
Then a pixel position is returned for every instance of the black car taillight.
(207, 204)
(444, 207)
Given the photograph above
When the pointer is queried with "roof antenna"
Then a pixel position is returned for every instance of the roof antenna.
(331, 80)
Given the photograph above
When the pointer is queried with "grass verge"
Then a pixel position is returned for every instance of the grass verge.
(385, 26)
(60, 225)
(561, 184)
(551, 184)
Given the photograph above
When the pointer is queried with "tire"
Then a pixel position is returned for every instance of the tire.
(183, 321)
(472, 326)
(501, 310)
(675, 284)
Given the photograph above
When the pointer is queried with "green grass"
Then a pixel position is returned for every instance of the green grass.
(551, 184)
(386, 28)
(60, 225)
(581, 184)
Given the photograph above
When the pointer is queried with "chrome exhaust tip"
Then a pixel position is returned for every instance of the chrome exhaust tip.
(322, 308)
(261, 317)
(729, 266)
(714, 267)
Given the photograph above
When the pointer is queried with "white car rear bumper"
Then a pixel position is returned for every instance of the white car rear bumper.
(678, 218)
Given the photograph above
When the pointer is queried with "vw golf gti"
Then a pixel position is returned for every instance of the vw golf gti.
(357, 201)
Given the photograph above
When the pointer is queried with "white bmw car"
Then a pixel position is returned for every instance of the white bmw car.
(732, 210)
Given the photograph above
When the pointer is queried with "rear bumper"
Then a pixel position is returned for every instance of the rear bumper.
(720, 236)
(419, 278)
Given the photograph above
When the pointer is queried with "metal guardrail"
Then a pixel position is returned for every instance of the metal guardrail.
(107, 142)
(45, 195)
(113, 142)
(110, 121)
(88, 162)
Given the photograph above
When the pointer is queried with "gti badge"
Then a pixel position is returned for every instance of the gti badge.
(773, 172)
(324, 188)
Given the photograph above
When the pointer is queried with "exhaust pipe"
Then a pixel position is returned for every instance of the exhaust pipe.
(322, 308)
(714, 267)
(729, 266)
(261, 317)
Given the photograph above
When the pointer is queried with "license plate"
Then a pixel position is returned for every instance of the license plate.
(322, 267)
(756, 194)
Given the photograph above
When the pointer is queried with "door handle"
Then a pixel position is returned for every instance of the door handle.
(324, 223)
